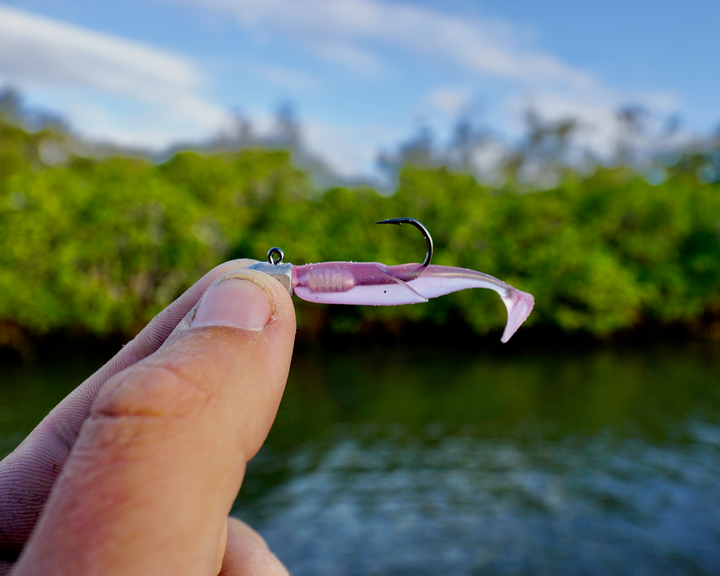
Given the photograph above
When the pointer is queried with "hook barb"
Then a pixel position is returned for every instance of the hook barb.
(419, 226)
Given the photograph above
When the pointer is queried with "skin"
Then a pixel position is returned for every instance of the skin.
(136, 470)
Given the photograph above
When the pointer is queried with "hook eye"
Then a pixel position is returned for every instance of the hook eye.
(419, 226)
(275, 252)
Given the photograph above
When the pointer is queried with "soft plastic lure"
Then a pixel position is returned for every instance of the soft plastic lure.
(376, 284)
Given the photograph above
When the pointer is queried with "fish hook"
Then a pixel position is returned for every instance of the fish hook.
(419, 226)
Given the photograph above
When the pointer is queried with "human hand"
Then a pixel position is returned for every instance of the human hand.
(136, 470)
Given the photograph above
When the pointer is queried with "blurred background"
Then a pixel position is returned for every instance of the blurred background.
(570, 150)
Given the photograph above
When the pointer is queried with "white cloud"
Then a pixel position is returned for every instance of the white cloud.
(137, 94)
(596, 112)
(287, 78)
(368, 35)
(447, 101)
(362, 35)
(362, 28)
(39, 54)
(350, 150)
(37, 49)
(346, 54)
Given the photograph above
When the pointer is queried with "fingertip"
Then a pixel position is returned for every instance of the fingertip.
(245, 299)
(240, 529)
(234, 302)
(247, 554)
(275, 290)
(242, 262)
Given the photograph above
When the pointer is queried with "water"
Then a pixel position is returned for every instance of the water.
(438, 460)
(29, 391)
(446, 461)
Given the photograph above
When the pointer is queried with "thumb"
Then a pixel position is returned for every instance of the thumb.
(157, 465)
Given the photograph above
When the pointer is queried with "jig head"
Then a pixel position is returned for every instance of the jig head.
(376, 284)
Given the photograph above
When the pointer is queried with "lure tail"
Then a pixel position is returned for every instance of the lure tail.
(437, 281)
(519, 304)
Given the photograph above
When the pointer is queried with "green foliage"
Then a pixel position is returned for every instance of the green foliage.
(101, 246)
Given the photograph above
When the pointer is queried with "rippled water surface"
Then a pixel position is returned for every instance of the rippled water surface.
(438, 460)
(442, 461)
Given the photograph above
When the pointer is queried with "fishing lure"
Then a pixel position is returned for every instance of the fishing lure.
(376, 284)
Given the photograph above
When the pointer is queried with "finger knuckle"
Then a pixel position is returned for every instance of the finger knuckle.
(155, 390)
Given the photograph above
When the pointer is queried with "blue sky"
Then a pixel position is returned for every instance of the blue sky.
(363, 75)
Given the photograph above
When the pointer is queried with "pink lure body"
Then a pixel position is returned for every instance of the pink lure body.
(376, 284)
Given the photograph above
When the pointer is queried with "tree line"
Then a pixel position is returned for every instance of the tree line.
(100, 245)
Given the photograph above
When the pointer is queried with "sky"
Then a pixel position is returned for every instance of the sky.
(361, 75)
